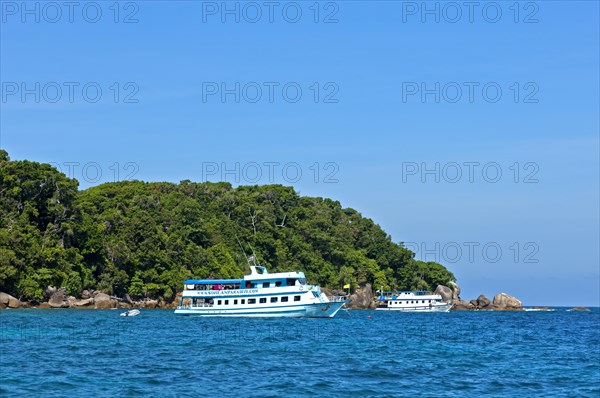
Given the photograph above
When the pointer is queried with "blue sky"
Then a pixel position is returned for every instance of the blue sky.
(508, 89)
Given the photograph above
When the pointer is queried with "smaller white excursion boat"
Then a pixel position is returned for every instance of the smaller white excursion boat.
(130, 313)
(412, 302)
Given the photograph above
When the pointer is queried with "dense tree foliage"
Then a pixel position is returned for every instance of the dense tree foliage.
(146, 238)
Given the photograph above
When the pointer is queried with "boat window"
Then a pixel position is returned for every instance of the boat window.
(263, 300)
(218, 302)
(284, 299)
(235, 302)
(226, 302)
(251, 301)
(302, 281)
(290, 282)
(248, 285)
(423, 301)
(243, 301)
(296, 298)
(278, 283)
(273, 299)
(267, 284)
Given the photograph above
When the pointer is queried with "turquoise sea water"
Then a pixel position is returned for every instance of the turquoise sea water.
(60, 353)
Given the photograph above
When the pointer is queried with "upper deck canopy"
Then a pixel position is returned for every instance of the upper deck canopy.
(212, 281)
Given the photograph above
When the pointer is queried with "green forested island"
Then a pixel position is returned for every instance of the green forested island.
(144, 239)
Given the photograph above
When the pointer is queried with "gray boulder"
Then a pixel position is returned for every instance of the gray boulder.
(83, 302)
(462, 305)
(483, 302)
(103, 300)
(455, 288)
(85, 294)
(59, 299)
(362, 298)
(445, 292)
(151, 304)
(505, 301)
(50, 290)
(6, 300)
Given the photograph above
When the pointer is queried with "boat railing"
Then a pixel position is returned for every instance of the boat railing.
(406, 293)
(336, 299)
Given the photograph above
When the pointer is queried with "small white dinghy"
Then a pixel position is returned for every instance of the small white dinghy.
(130, 313)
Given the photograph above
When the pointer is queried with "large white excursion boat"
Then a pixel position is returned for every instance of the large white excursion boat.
(260, 294)
(412, 302)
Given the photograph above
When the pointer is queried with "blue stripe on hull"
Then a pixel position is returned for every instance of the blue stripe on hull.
(319, 310)
(278, 314)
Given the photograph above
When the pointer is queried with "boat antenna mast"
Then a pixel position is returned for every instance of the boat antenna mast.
(251, 259)
(243, 251)
(254, 259)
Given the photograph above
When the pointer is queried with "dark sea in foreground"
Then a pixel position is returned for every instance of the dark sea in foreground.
(97, 353)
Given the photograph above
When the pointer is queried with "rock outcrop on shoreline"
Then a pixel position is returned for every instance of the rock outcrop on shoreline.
(362, 298)
(462, 305)
(103, 301)
(8, 301)
(455, 290)
(503, 301)
(58, 298)
(445, 292)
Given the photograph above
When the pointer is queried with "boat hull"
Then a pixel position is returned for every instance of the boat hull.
(314, 310)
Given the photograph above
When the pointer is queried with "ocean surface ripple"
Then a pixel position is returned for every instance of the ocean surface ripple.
(58, 353)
